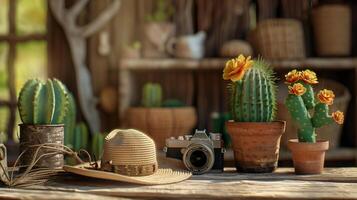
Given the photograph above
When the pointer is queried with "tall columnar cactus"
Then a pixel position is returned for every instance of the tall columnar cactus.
(253, 90)
(43, 103)
(301, 99)
(152, 95)
(97, 144)
(70, 122)
(80, 137)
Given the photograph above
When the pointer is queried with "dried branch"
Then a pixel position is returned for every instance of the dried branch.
(101, 20)
(77, 8)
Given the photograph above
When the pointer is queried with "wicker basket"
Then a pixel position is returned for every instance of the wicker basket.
(162, 123)
(332, 30)
(331, 132)
(40, 134)
(280, 39)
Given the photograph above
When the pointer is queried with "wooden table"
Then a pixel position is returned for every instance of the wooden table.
(335, 183)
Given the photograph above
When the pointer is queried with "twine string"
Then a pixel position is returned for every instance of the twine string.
(34, 176)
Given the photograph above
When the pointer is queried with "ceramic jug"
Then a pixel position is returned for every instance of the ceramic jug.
(188, 46)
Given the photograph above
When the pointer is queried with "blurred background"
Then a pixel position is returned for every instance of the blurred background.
(181, 45)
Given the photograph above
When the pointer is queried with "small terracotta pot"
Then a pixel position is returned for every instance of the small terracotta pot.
(256, 145)
(308, 158)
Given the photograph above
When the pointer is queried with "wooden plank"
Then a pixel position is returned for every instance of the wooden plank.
(335, 183)
(218, 63)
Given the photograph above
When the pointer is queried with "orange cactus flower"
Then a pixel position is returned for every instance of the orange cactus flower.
(297, 89)
(292, 77)
(308, 76)
(326, 96)
(338, 116)
(236, 68)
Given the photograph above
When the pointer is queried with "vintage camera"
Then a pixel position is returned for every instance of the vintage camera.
(200, 153)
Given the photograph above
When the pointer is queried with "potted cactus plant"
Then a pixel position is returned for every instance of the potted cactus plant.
(308, 153)
(42, 107)
(160, 119)
(255, 135)
(157, 30)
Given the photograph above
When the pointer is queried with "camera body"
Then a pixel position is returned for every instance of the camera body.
(200, 153)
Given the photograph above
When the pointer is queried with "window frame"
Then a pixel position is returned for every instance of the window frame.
(12, 39)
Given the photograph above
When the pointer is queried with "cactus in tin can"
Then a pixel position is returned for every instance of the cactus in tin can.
(301, 100)
(152, 95)
(43, 103)
(252, 91)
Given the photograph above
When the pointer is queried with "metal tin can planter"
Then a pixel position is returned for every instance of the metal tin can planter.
(41, 134)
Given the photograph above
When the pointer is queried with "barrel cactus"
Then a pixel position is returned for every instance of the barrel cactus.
(252, 91)
(152, 95)
(81, 137)
(301, 100)
(97, 145)
(43, 103)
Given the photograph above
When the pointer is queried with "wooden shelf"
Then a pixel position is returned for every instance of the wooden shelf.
(218, 63)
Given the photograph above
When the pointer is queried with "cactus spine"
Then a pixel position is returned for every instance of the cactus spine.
(253, 98)
(301, 99)
(43, 103)
(152, 95)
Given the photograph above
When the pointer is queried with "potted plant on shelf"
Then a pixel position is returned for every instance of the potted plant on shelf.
(255, 135)
(161, 120)
(309, 154)
(42, 108)
(157, 30)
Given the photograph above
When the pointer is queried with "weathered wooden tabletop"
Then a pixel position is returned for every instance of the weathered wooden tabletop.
(335, 183)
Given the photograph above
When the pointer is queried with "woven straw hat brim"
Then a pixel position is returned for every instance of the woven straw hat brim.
(161, 176)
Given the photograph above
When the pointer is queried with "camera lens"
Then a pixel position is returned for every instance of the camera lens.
(198, 158)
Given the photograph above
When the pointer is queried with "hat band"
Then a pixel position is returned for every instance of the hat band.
(131, 170)
(135, 170)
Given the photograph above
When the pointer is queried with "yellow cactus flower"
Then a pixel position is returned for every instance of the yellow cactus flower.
(297, 89)
(235, 68)
(308, 76)
(292, 77)
(338, 116)
(326, 96)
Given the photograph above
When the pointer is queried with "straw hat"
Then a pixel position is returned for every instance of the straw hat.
(130, 156)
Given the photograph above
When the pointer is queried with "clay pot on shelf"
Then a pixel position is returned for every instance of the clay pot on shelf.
(162, 123)
(256, 145)
(155, 37)
(308, 158)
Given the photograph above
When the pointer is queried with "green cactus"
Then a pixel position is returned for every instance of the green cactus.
(173, 103)
(80, 137)
(97, 145)
(253, 98)
(152, 95)
(43, 103)
(70, 122)
(300, 100)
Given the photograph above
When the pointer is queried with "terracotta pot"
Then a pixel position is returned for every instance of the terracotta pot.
(162, 123)
(155, 37)
(40, 134)
(256, 145)
(308, 157)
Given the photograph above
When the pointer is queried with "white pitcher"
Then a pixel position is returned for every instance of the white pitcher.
(188, 46)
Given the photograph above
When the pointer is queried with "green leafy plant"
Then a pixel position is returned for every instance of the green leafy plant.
(43, 103)
(164, 10)
(301, 99)
(152, 95)
(252, 91)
